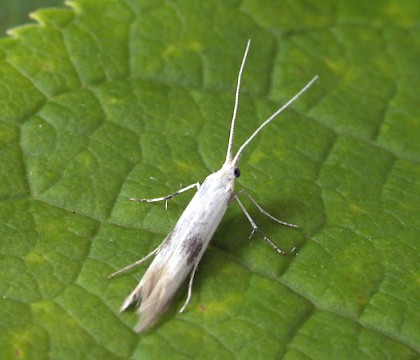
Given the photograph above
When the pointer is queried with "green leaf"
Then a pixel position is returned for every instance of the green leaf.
(103, 101)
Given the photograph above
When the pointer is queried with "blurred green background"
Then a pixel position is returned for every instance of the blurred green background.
(16, 12)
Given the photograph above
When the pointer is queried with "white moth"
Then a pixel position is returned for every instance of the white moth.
(179, 254)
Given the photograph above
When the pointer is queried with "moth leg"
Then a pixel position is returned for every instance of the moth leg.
(137, 263)
(190, 283)
(167, 197)
(255, 228)
(265, 212)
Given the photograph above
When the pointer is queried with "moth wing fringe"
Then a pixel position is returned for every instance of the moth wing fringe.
(153, 295)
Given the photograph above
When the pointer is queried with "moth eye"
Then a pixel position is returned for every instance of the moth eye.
(237, 172)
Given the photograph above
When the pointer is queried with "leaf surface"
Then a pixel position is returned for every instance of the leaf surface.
(103, 101)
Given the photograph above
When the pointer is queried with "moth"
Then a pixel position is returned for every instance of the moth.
(180, 253)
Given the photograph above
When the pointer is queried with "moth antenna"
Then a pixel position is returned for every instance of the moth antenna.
(266, 122)
(229, 154)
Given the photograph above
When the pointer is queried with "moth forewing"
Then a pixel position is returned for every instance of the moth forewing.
(179, 254)
(183, 248)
